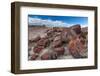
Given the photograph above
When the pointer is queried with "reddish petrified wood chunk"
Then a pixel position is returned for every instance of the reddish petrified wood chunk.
(45, 56)
(38, 49)
(50, 32)
(34, 56)
(76, 28)
(76, 47)
(59, 50)
(43, 42)
(56, 43)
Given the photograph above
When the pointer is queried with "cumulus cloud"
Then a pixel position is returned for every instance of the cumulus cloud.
(48, 22)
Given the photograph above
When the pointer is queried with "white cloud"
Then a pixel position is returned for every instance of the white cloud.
(84, 25)
(48, 22)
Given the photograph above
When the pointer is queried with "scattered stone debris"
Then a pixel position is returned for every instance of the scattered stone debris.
(56, 39)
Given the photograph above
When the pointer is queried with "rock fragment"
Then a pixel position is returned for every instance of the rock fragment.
(76, 48)
(46, 56)
(38, 49)
(59, 50)
(34, 56)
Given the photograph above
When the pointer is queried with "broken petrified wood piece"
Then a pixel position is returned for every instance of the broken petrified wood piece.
(56, 43)
(59, 50)
(76, 48)
(46, 56)
(38, 49)
(34, 56)
(76, 28)
(50, 32)
(43, 42)
(57, 38)
(64, 36)
(57, 34)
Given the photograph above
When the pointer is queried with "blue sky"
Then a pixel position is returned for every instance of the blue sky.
(50, 20)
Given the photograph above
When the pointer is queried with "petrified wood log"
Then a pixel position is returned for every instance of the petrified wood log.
(50, 32)
(34, 56)
(57, 34)
(64, 36)
(38, 49)
(57, 38)
(46, 56)
(56, 43)
(59, 50)
(76, 28)
(43, 42)
(76, 48)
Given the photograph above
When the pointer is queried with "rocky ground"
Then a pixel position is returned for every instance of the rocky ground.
(50, 43)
